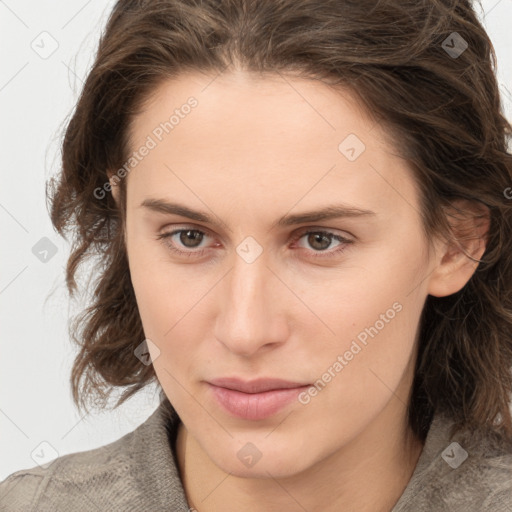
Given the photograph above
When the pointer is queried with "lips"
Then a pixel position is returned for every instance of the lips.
(255, 386)
(254, 400)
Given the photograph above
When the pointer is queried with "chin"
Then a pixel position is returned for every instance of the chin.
(244, 459)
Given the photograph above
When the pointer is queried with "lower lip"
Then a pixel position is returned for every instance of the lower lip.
(255, 406)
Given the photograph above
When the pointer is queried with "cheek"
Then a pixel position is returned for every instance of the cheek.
(152, 283)
(157, 283)
(168, 299)
(381, 290)
(376, 333)
(164, 301)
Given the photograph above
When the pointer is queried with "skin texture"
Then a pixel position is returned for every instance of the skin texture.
(251, 151)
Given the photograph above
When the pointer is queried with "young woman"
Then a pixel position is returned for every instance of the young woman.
(301, 211)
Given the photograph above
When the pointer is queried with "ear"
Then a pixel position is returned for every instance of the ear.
(454, 266)
(114, 188)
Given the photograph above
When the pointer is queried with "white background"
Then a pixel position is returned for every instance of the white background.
(36, 96)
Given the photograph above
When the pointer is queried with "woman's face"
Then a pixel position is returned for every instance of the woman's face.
(256, 285)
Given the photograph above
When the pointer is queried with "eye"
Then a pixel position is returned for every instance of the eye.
(191, 239)
(321, 240)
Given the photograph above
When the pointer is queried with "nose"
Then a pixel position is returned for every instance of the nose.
(251, 315)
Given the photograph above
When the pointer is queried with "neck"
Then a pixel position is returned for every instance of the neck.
(369, 475)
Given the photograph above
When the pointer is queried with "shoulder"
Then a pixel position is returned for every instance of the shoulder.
(482, 482)
(18, 490)
(466, 472)
(136, 472)
(484, 476)
(67, 479)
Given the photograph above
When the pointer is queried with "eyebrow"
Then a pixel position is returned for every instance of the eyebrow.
(325, 213)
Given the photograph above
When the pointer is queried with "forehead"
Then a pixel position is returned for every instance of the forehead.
(265, 134)
(265, 103)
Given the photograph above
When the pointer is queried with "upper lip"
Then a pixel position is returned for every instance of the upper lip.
(254, 386)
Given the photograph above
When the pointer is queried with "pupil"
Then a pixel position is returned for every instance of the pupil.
(185, 237)
(315, 237)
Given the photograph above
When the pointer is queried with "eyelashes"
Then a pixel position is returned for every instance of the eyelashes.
(314, 236)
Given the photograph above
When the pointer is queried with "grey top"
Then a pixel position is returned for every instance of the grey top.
(138, 473)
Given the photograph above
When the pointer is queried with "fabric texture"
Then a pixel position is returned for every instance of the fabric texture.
(139, 473)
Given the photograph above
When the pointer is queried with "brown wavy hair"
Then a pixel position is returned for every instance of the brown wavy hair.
(443, 112)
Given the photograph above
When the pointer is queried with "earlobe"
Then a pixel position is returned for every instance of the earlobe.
(455, 260)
